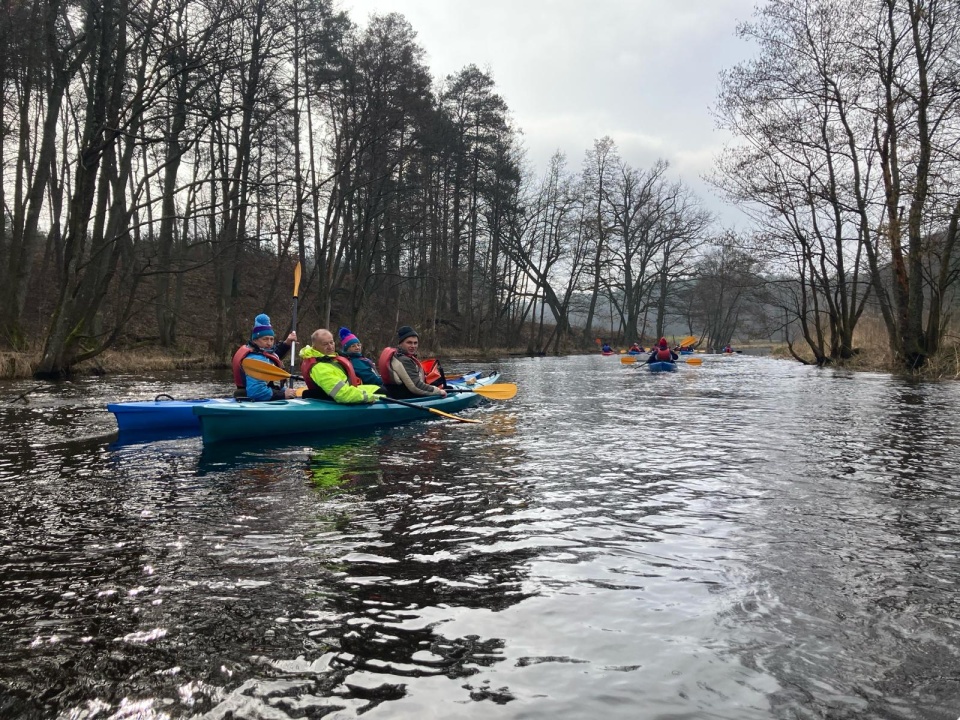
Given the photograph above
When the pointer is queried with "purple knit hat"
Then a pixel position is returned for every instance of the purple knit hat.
(347, 338)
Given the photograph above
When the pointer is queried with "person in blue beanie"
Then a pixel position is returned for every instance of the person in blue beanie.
(352, 349)
(262, 346)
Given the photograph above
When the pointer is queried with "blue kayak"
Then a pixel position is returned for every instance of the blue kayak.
(161, 415)
(240, 421)
(662, 366)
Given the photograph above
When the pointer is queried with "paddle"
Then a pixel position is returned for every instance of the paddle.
(688, 341)
(268, 371)
(296, 293)
(631, 360)
(497, 391)
(262, 370)
(428, 409)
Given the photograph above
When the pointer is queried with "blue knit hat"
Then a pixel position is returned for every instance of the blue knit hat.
(261, 327)
(347, 338)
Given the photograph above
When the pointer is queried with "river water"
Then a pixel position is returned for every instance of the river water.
(748, 538)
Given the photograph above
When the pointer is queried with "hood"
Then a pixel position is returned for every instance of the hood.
(309, 352)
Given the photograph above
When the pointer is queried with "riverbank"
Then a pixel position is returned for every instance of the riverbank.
(20, 366)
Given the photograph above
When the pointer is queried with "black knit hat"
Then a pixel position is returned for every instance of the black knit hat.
(406, 331)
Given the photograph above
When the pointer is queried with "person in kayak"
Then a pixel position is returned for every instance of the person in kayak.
(352, 349)
(727, 349)
(635, 349)
(606, 349)
(329, 376)
(402, 373)
(263, 347)
(662, 353)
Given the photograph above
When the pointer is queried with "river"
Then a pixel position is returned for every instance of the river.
(747, 538)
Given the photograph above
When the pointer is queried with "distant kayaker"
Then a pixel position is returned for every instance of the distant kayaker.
(727, 348)
(352, 349)
(329, 376)
(635, 349)
(606, 349)
(662, 353)
(262, 347)
(403, 375)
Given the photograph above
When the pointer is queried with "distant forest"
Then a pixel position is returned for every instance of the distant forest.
(166, 165)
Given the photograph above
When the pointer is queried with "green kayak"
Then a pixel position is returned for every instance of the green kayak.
(237, 421)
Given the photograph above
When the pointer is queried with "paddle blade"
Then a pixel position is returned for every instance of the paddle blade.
(441, 413)
(262, 370)
(694, 361)
(296, 280)
(628, 360)
(688, 341)
(497, 391)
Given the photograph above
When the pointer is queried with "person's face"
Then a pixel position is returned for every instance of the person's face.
(325, 343)
(355, 348)
(410, 345)
(264, 342)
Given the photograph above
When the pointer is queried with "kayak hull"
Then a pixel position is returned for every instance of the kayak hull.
(161, 415)
(662, 366)
(221, 423)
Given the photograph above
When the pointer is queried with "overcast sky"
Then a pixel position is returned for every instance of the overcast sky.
(643, 72)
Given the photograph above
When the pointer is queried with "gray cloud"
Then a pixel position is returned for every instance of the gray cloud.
(643, 72)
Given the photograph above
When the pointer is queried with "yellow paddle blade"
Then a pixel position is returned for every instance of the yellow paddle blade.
(497, 391)
(441, 413)
(628, 360)
(262, 370)
(296, 280)
(695, 361)
(688, 341)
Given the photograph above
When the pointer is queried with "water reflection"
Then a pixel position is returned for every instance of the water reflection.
(743, 539)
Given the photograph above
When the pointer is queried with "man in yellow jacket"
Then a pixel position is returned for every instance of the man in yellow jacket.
(331, 377)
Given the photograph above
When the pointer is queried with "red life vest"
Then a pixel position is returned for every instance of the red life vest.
(239, 376)
(664, 355)
(383, 365)
(307, 365)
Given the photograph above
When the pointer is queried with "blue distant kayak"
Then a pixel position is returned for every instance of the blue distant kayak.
(662, 366)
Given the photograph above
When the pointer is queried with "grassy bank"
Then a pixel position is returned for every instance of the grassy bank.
(16, 366)
(873, 354)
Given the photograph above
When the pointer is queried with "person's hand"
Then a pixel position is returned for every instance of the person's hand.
(443, 393)
(292, 337)
(290, 393)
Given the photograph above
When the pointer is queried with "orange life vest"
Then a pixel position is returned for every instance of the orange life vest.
(431, 370)
(383, 365)
(307, 365)
(664, 355)
(239, 376)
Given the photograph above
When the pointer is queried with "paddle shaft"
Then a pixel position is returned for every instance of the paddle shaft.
(296, 302)
(428, 409)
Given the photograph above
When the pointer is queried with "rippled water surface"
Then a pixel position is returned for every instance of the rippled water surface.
(744, 539)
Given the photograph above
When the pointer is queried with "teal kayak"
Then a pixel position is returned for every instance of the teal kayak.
(239, 421)
(165, 414)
